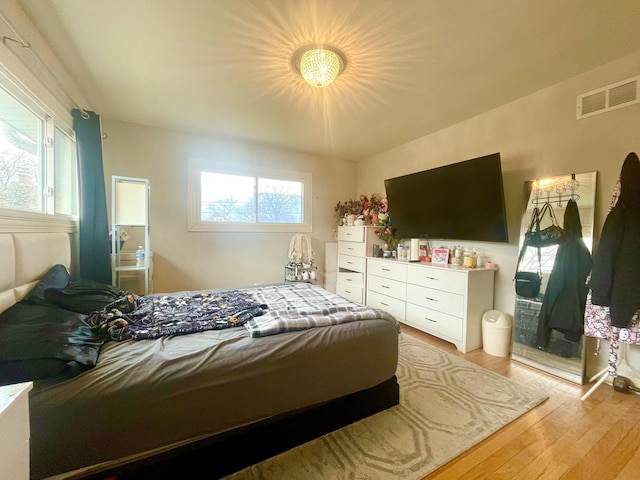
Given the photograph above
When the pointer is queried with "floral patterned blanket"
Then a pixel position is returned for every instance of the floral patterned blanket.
(138, 318)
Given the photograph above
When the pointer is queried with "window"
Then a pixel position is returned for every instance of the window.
(224, 198)
(65, 173)
(38, 170)
(21, 172)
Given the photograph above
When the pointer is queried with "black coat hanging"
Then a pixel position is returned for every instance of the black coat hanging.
(565, 296)
(615, 278)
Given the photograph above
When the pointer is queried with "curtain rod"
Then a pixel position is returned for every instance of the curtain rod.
(27, 46)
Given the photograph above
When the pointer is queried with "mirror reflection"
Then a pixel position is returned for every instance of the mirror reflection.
(563, 354)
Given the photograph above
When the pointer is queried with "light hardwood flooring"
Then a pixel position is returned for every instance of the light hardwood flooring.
(563, 438)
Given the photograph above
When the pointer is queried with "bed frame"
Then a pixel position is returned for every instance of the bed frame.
(27, 256)
(234, 450)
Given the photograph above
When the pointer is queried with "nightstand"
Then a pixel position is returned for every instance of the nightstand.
(14, 431)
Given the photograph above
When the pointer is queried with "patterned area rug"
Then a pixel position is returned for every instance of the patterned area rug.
(447, 405)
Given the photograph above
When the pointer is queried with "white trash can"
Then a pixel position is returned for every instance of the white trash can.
(496, 333)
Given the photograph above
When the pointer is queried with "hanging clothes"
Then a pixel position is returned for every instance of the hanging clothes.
(615, 280)
(597, 318)
(564, 300)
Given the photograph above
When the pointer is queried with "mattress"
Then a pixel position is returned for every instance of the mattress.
(148, 394)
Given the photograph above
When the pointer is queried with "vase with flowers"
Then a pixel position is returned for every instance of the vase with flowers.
(122, 238)
(376, 209)
(347, 212)
(387, 235)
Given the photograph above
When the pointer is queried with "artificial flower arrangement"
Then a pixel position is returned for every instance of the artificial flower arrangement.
(387, 235)
(371, 210)
(376, 209)
(350, 207)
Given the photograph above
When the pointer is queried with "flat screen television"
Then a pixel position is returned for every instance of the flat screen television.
(461, 201)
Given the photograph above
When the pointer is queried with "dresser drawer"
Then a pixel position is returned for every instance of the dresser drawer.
(445, 302)
(352, 248)
(388, 269)
(432, 321)
(351, 263)
(351, 278)
(350, 292)
(351, 234)
(440, 278)
(390, 305)
(386, 286)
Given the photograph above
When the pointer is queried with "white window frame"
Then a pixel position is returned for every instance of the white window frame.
(196, 224)
(47, 215)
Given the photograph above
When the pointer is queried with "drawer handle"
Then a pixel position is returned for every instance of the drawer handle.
(432, 278)
(349, 279)
(385, 304)
(431, 299)
(384, 286)
(348, 234)
(349, 248)
(430, 320)
(347, 291)
(386, 269)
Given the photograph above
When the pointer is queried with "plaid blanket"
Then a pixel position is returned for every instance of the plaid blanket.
(299, 306)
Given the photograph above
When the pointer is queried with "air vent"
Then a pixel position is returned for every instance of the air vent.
(616, 95)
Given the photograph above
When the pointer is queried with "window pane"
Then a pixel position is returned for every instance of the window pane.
(21, 171)
(279, 201)
(65, 172)
(227, 198)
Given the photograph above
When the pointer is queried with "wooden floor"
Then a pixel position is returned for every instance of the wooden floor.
(563, 438)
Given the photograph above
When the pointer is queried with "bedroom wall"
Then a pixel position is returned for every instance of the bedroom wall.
(198, 260)
(537, 136)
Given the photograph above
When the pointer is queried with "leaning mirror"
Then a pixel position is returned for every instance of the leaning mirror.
(561, 353)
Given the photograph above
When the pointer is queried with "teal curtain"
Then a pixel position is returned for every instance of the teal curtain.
(95, 262)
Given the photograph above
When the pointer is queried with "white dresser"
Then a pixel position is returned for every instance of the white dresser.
(14, 431)
(445, 301)
(354, 245)
(387, 286)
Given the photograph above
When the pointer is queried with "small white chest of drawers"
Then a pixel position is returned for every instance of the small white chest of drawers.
(354, 243)
(387, 286)
(14, 431)
(445, 301)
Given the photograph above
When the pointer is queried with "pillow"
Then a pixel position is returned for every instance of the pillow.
(56, 277)
(83, 296)
(38, 342)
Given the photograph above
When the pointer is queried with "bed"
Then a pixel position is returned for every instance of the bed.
(213, 401)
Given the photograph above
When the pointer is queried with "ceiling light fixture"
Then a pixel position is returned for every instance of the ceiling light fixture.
(318, 66)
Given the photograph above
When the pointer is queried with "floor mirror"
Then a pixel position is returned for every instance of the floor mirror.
(559, 356)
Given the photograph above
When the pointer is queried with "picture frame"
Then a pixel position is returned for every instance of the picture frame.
(440, 256)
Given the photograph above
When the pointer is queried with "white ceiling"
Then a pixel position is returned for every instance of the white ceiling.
(413, 66)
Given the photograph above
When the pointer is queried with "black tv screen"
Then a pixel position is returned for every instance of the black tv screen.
(461, 201)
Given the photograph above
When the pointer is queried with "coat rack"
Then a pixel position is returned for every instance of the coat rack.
(607, 372)
(562, 191)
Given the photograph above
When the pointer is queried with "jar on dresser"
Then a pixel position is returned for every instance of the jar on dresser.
(355, 244)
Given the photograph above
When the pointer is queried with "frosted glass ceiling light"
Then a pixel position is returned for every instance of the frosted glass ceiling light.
(320, 67)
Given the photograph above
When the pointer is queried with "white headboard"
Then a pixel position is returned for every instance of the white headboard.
(25, 258)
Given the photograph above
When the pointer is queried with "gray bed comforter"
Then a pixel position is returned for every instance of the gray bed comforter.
(149, 394)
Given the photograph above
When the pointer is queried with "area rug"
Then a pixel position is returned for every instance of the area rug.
(447, 405)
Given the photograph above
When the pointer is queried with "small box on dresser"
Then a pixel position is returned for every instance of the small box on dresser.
(443, 300)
